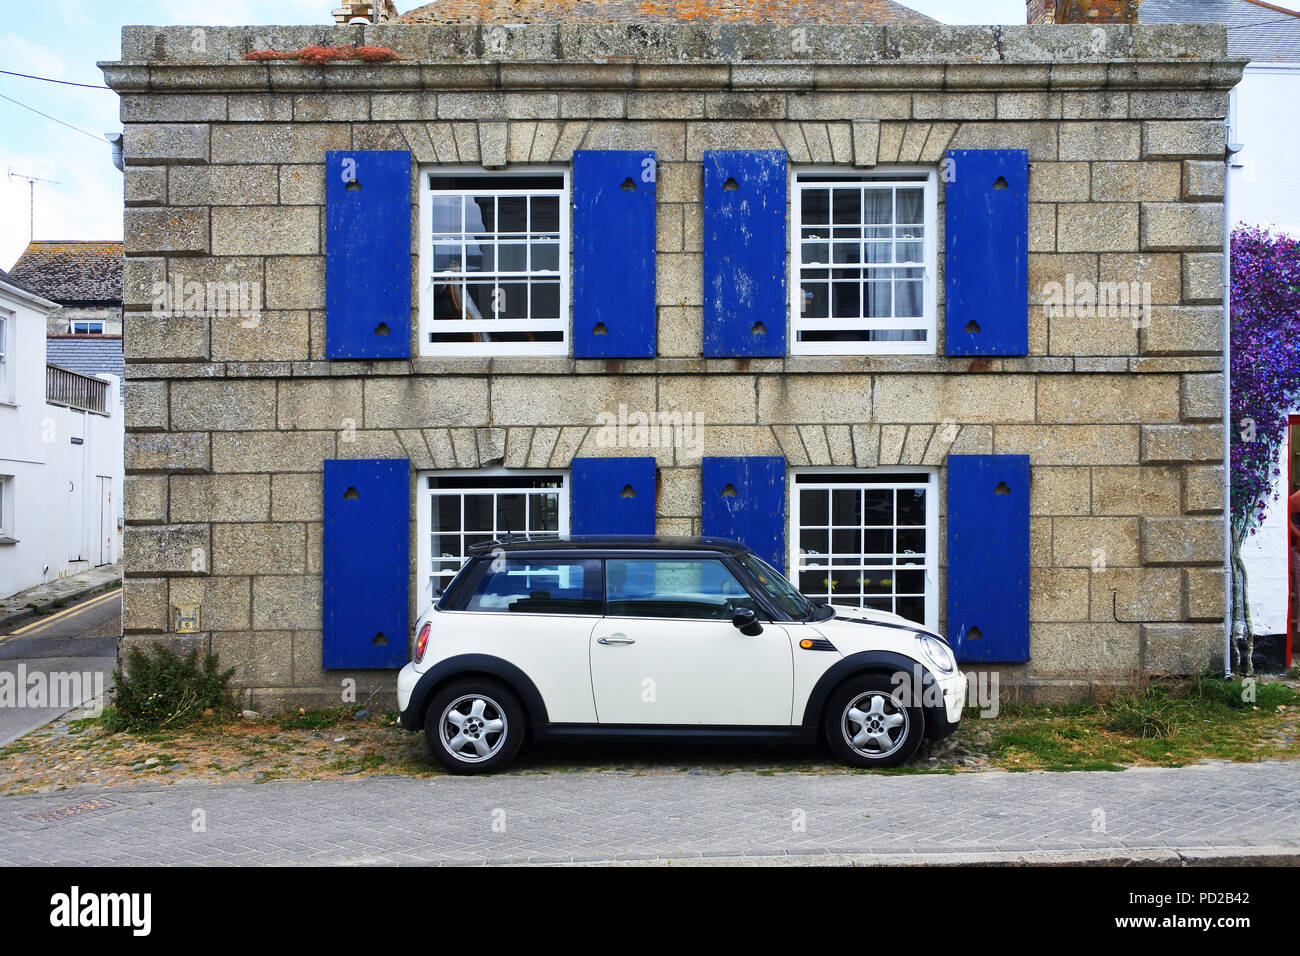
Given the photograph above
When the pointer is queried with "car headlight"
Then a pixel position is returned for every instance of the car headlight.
(937, 653)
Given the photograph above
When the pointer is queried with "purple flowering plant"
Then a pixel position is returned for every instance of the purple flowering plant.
(1265, 387)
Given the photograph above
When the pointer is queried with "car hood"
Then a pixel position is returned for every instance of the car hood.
(855, 629)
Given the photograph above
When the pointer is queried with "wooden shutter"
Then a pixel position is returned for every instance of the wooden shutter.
(612, 496)
(367, 254)
(988, 557)
(366, 545)
(614, 195)
(745, 253)
(744, 499)
(986, 264)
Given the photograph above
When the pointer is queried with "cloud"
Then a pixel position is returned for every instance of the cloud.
(23, 56)
(241, 12)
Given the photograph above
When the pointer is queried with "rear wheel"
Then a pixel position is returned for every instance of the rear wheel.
(474, 725)
(868, 724)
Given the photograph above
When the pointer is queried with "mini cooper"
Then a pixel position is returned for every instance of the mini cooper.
(658, 639)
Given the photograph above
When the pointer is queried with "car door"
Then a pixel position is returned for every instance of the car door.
(666, 653)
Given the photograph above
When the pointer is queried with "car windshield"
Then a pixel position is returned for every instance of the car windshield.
(780, 590)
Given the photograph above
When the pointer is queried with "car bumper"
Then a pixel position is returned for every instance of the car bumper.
(407, 679)
(941, 721)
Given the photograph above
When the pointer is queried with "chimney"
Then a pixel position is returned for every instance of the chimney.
(1082, 11)
(361, 11)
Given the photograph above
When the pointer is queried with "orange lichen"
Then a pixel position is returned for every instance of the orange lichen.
(320, 55)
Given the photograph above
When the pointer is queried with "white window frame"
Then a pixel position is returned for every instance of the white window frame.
(424, 518)
(7, 328)
(928, 323)
(931, 563)
(6, 506)
(426, 283)
(73, 323)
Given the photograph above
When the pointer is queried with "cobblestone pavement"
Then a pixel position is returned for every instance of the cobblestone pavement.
(623, 816)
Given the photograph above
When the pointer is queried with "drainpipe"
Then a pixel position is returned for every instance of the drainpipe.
(1231, 150)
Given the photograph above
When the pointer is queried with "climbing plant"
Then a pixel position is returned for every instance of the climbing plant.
(1265, 386)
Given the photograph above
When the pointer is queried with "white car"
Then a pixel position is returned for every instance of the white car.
(655, 639)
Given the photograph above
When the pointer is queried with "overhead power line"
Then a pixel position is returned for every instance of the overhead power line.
(97, 138)
(47, 79)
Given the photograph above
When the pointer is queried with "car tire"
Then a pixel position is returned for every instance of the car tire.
(867, 723)
(474, 725)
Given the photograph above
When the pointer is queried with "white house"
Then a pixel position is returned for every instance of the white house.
(1264, 191)
(61, 436)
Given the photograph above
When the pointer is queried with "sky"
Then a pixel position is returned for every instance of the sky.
(63, 39)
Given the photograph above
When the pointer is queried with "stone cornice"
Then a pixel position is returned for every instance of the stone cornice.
(679, 56)
(1220, 74)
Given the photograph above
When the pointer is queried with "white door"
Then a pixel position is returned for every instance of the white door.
(106, 521)
(667, 652)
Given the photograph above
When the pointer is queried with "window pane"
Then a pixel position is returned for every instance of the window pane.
(512, 214)
(446, 215)
(814, 508)
(480, 216)
(479, 512)
(878, 506)
(911, 205)
(546, 257)
(446, 513)
(846, 507)
(546, 300)
(911, 506)
(879, 206)
(815, 206)
(512, 257)
(848, 206)
(546, 214)
(673, 588)
(539, 586)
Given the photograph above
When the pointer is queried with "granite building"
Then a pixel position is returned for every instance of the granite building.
(929, 316)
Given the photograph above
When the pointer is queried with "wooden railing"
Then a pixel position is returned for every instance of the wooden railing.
(74, 390)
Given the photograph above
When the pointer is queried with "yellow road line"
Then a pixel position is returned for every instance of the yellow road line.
(45, 621)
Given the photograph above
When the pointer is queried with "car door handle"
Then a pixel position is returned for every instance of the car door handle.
(616, 639)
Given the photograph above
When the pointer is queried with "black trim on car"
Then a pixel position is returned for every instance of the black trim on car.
(937, 725)
(413, 717)
(651, 733)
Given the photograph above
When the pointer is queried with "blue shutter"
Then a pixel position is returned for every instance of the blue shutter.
(745, 253)
(612, 496)
(614, 197)
(987, 252)
(744, 499)
(366, 568)
(367, 254)
(988, 557)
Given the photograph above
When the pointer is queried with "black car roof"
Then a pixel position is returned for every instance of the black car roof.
(611, 542)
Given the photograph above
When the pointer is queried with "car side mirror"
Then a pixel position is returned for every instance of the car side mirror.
(746, 621)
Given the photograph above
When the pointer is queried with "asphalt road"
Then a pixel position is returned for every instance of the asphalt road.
(77, 640)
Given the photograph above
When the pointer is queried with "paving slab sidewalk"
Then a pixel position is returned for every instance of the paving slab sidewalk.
(17, 608)
(1219, 812)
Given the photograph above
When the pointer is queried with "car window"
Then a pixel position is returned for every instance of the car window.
(673, 587)
(777, 586)
(538, 586)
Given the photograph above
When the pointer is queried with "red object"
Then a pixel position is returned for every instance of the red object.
(1293, 540)
(422, 642)
(320, 55)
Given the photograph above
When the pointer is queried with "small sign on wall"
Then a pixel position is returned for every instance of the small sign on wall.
(187, 619)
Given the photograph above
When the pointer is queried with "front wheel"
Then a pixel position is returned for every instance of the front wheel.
(474, 725)
(868, 725)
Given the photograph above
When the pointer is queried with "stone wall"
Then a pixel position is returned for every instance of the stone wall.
(228, 422)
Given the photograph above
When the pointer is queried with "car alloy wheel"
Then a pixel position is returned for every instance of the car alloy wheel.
(875, 724)
(473, 728)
